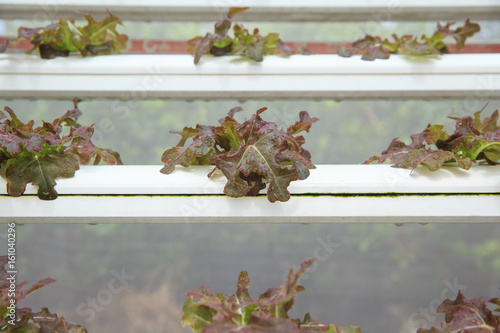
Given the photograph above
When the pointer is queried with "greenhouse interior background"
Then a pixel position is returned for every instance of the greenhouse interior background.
(381, 277)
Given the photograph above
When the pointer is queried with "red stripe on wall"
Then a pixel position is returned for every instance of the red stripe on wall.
(138, 46)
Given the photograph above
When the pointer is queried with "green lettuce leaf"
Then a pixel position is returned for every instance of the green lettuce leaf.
(41, 172)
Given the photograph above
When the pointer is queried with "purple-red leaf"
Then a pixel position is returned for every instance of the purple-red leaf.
(201, 46)
(35, 143)
(27, 320)
(374, 47)
(198, 152)
(4, 45)
(27, 33)
(304, 124)
(370, 47)
(12, 144)
(108, 156)
(23, 293)
(40, 155)
(244, 43)
(468, 316)
(252, 155)
(460, 34)
(50, 322)
(199, 293)
(63, 37)
(265, 156)
(230, 115)
(221, 313)
(73, 114)
(473, 140)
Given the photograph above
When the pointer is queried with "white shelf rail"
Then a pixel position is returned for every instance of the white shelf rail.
(316, 76)
(331, 194)
(260, 10)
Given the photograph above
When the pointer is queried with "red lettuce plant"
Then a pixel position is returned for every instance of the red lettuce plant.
(467, 316)
(374, 47)
(26, 320)
(251, 45)
(62, 38)
(473, 140)
(249, 154)
(42, 154)
(221, 313)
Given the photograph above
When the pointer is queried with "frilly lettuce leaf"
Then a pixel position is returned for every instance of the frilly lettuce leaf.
(208, 313)
(41, 171)
(462, 315)
(28, 321)
(374, 47)
(4, 45)
(42, 154)
(197, 153)
(245, 43)
(473, 140)
(62, 38)
(252, 155)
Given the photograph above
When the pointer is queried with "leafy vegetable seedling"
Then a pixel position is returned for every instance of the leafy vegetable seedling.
(463, 315)
(25, 320)
(250, 155)
(372, 48)
(42, 154)
(221, 313)
(251, 45)
(62, 38)
(473, 140)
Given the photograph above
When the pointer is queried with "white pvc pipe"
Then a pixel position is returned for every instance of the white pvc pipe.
(316, 76)
(260, 10)
(326, 179)
(331, 194)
